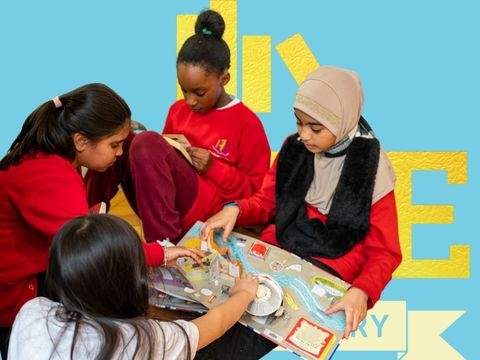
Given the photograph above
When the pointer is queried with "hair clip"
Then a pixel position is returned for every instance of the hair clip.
(57, 102)
(205, 31)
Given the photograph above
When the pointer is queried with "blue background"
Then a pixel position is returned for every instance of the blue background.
(418, 60)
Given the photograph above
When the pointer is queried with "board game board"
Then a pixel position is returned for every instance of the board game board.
(292, 295)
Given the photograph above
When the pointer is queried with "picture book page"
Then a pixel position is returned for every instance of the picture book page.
(292, 296)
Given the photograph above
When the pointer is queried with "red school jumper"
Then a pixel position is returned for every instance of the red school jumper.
(370, 263)
(37, 197)
(236, 138)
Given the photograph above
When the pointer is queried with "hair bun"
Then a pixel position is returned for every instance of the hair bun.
(211, 23)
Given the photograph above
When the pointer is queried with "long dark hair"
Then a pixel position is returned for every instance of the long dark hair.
(97, 271)
(206, 47)
(94, 110)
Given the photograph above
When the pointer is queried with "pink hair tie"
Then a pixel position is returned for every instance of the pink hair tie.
(57, 102)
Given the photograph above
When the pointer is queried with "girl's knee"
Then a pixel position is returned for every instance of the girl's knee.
(146, 144)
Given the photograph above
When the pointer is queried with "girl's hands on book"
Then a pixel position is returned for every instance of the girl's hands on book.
(172, 253)
(354, 303)
(202, 159)
(247, 283)
(225, 219)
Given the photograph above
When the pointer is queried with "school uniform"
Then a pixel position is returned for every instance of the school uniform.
(166, 191)
(37, 197)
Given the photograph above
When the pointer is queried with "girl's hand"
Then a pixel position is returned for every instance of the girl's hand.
(172, 253)
(202, 159)
(225, 219)
(247, 283)
(354, 303)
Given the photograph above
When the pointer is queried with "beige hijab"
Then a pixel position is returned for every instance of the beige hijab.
(334, 97)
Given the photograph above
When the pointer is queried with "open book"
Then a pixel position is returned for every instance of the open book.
(166, 288)
(292, 295)
(179, 142)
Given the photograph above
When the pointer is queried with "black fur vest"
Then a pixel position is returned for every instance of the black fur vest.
(348, 220)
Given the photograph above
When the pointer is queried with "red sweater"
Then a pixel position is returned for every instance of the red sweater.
(236, 138)
(36, 198)
(371, 262)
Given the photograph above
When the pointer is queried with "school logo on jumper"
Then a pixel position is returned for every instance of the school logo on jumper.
(221, 148)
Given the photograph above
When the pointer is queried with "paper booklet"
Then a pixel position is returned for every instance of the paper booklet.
(291, 298)
(166, 290)
(179, 142)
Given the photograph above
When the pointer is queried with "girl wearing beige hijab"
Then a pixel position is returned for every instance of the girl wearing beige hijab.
(329, 195)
